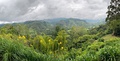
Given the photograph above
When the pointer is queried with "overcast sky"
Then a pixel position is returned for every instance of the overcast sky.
(22, 10)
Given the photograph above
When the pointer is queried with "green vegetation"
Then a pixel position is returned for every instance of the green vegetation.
(64, 40)
(18, 42)
(14, 51)
(113, 16)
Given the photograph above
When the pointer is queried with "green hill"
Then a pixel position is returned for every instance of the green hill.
(39, 26)
(68, 23)
(48, 26)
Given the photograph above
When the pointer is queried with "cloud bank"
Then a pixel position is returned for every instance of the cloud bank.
(22, 10)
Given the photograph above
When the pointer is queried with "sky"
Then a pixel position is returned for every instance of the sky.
(23, 10)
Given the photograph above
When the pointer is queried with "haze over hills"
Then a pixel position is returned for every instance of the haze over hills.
(68, 22)
(47, 24)
(54, 20)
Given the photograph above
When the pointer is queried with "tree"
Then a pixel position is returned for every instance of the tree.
(60, 42)
(113, 16)
(113, 12)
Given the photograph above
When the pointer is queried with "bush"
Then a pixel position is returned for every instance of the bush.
(101, 40)
(14, 51)
(109, 53)
(101, 51)
(87, 56)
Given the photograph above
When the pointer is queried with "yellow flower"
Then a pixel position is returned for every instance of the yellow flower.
(23, 37)
(41, 41)
(19, 37)
(49, 40)
(62, 48)
(60, 43)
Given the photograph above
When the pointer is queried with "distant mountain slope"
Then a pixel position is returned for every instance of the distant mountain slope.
(63, 22)
(57, 20)
(39, 26)
(70, 22)
(54, 20)
(48, 25)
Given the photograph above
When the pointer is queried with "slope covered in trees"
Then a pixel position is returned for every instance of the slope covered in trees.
(67, 45)
(20, 42)
(64, 40)
(49, 26)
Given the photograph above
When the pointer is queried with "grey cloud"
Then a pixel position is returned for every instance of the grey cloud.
(21, 10)
(15, 8)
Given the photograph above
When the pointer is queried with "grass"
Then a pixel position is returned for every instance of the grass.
(108, 37)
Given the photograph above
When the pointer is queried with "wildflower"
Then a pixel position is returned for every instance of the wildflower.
(23, 37)
(49, 40)
(60, 43)
(19, 37)
(62, 48)
(41, 41)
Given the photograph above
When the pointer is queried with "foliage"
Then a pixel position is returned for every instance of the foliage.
(113, 18)
(19, 42)
(14, 51)
(115, 26)
(113, 10)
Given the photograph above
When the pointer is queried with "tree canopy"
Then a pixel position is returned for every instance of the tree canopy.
(113, 16)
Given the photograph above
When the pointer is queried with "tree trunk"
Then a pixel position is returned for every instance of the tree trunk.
(113, 33)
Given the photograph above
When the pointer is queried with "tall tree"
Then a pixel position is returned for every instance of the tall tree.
(113, 16)
(113, 12)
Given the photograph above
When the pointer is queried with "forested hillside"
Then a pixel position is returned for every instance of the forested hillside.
(38, 40)
(49, 26)
(62, 39)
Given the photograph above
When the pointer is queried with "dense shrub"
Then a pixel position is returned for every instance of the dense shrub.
(109, 53)
(14, 51)
(101, 40)
(101, 51)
